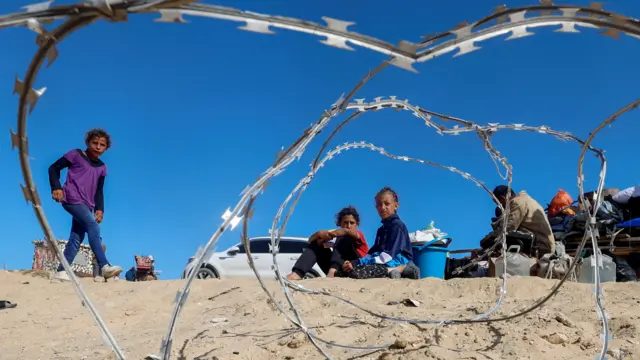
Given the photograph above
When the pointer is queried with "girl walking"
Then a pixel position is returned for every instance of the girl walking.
(82, 197)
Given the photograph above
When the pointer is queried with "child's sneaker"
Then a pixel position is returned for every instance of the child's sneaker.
(395, 274)
(109, 271)
(61, 276)
(99, 279)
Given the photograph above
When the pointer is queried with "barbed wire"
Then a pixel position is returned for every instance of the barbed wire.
(463, 38)
(316, 165)
(591, 225)
(482, 318)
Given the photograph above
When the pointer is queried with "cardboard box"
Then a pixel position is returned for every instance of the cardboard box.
(492, 267)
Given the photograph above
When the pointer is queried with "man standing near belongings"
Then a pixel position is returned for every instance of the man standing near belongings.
(526, 223)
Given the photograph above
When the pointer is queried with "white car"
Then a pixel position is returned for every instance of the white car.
(233, 262)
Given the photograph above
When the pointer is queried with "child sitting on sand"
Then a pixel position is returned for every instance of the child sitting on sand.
(348, 244)
(392, 253)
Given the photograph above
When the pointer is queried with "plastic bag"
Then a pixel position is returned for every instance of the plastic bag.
(427, 234)
(561, 201)
(624, 271)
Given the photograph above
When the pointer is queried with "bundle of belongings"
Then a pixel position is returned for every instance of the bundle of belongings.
(556, 266)
(619, 211)
(144, 270)
(566, 215)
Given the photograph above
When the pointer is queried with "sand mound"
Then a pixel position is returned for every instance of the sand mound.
(50, 322)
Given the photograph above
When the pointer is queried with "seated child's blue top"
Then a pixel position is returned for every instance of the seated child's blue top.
(392, 247)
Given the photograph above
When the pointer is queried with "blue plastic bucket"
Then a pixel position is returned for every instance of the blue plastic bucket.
(431, 260)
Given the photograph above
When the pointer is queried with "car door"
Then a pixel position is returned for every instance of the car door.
(262, 258)
(233, 264)
(290, 251)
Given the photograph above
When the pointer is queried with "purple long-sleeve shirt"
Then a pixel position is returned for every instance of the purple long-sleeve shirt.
(85, 179)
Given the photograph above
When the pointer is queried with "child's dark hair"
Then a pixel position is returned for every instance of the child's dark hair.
(100, 133)
(349, 210)
(385, 190)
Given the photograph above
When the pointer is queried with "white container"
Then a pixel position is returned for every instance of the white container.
(607, 269)
(482, 271)
(517, 264)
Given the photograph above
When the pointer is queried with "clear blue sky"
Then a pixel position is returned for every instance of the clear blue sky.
(198, 111)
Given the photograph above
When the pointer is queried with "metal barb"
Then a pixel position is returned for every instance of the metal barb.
(171, 16)
(257, 27)
(569, 27)
(235, 221)
(548, 3)
(612, 33)
(501, 19)
(52, 53)
(337, 25)
(520, 31)
(38, 7)
(468, 46)
(404, 63)
(32, 95)
(104, 6)
(16, 140)
(30, 195)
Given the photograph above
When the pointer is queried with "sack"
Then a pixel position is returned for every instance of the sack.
(624, 272)
(561, 201)
(552, 266)
(608, 213)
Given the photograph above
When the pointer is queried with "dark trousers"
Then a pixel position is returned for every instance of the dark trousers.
(344, 250)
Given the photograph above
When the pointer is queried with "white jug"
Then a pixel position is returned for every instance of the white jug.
(517, 264)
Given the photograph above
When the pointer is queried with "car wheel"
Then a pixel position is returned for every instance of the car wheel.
(206, 274)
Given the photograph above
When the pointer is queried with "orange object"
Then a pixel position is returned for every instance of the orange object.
(559, 202)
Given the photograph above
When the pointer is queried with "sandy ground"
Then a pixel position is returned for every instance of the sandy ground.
(50, 322)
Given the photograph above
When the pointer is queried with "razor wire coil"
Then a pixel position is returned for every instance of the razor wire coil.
(464, 39)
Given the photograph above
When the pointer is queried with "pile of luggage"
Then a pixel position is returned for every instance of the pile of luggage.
(618, 244)
(618, 239)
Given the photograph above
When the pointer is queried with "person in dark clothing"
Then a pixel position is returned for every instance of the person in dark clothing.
(331, 248)
(392, 253)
